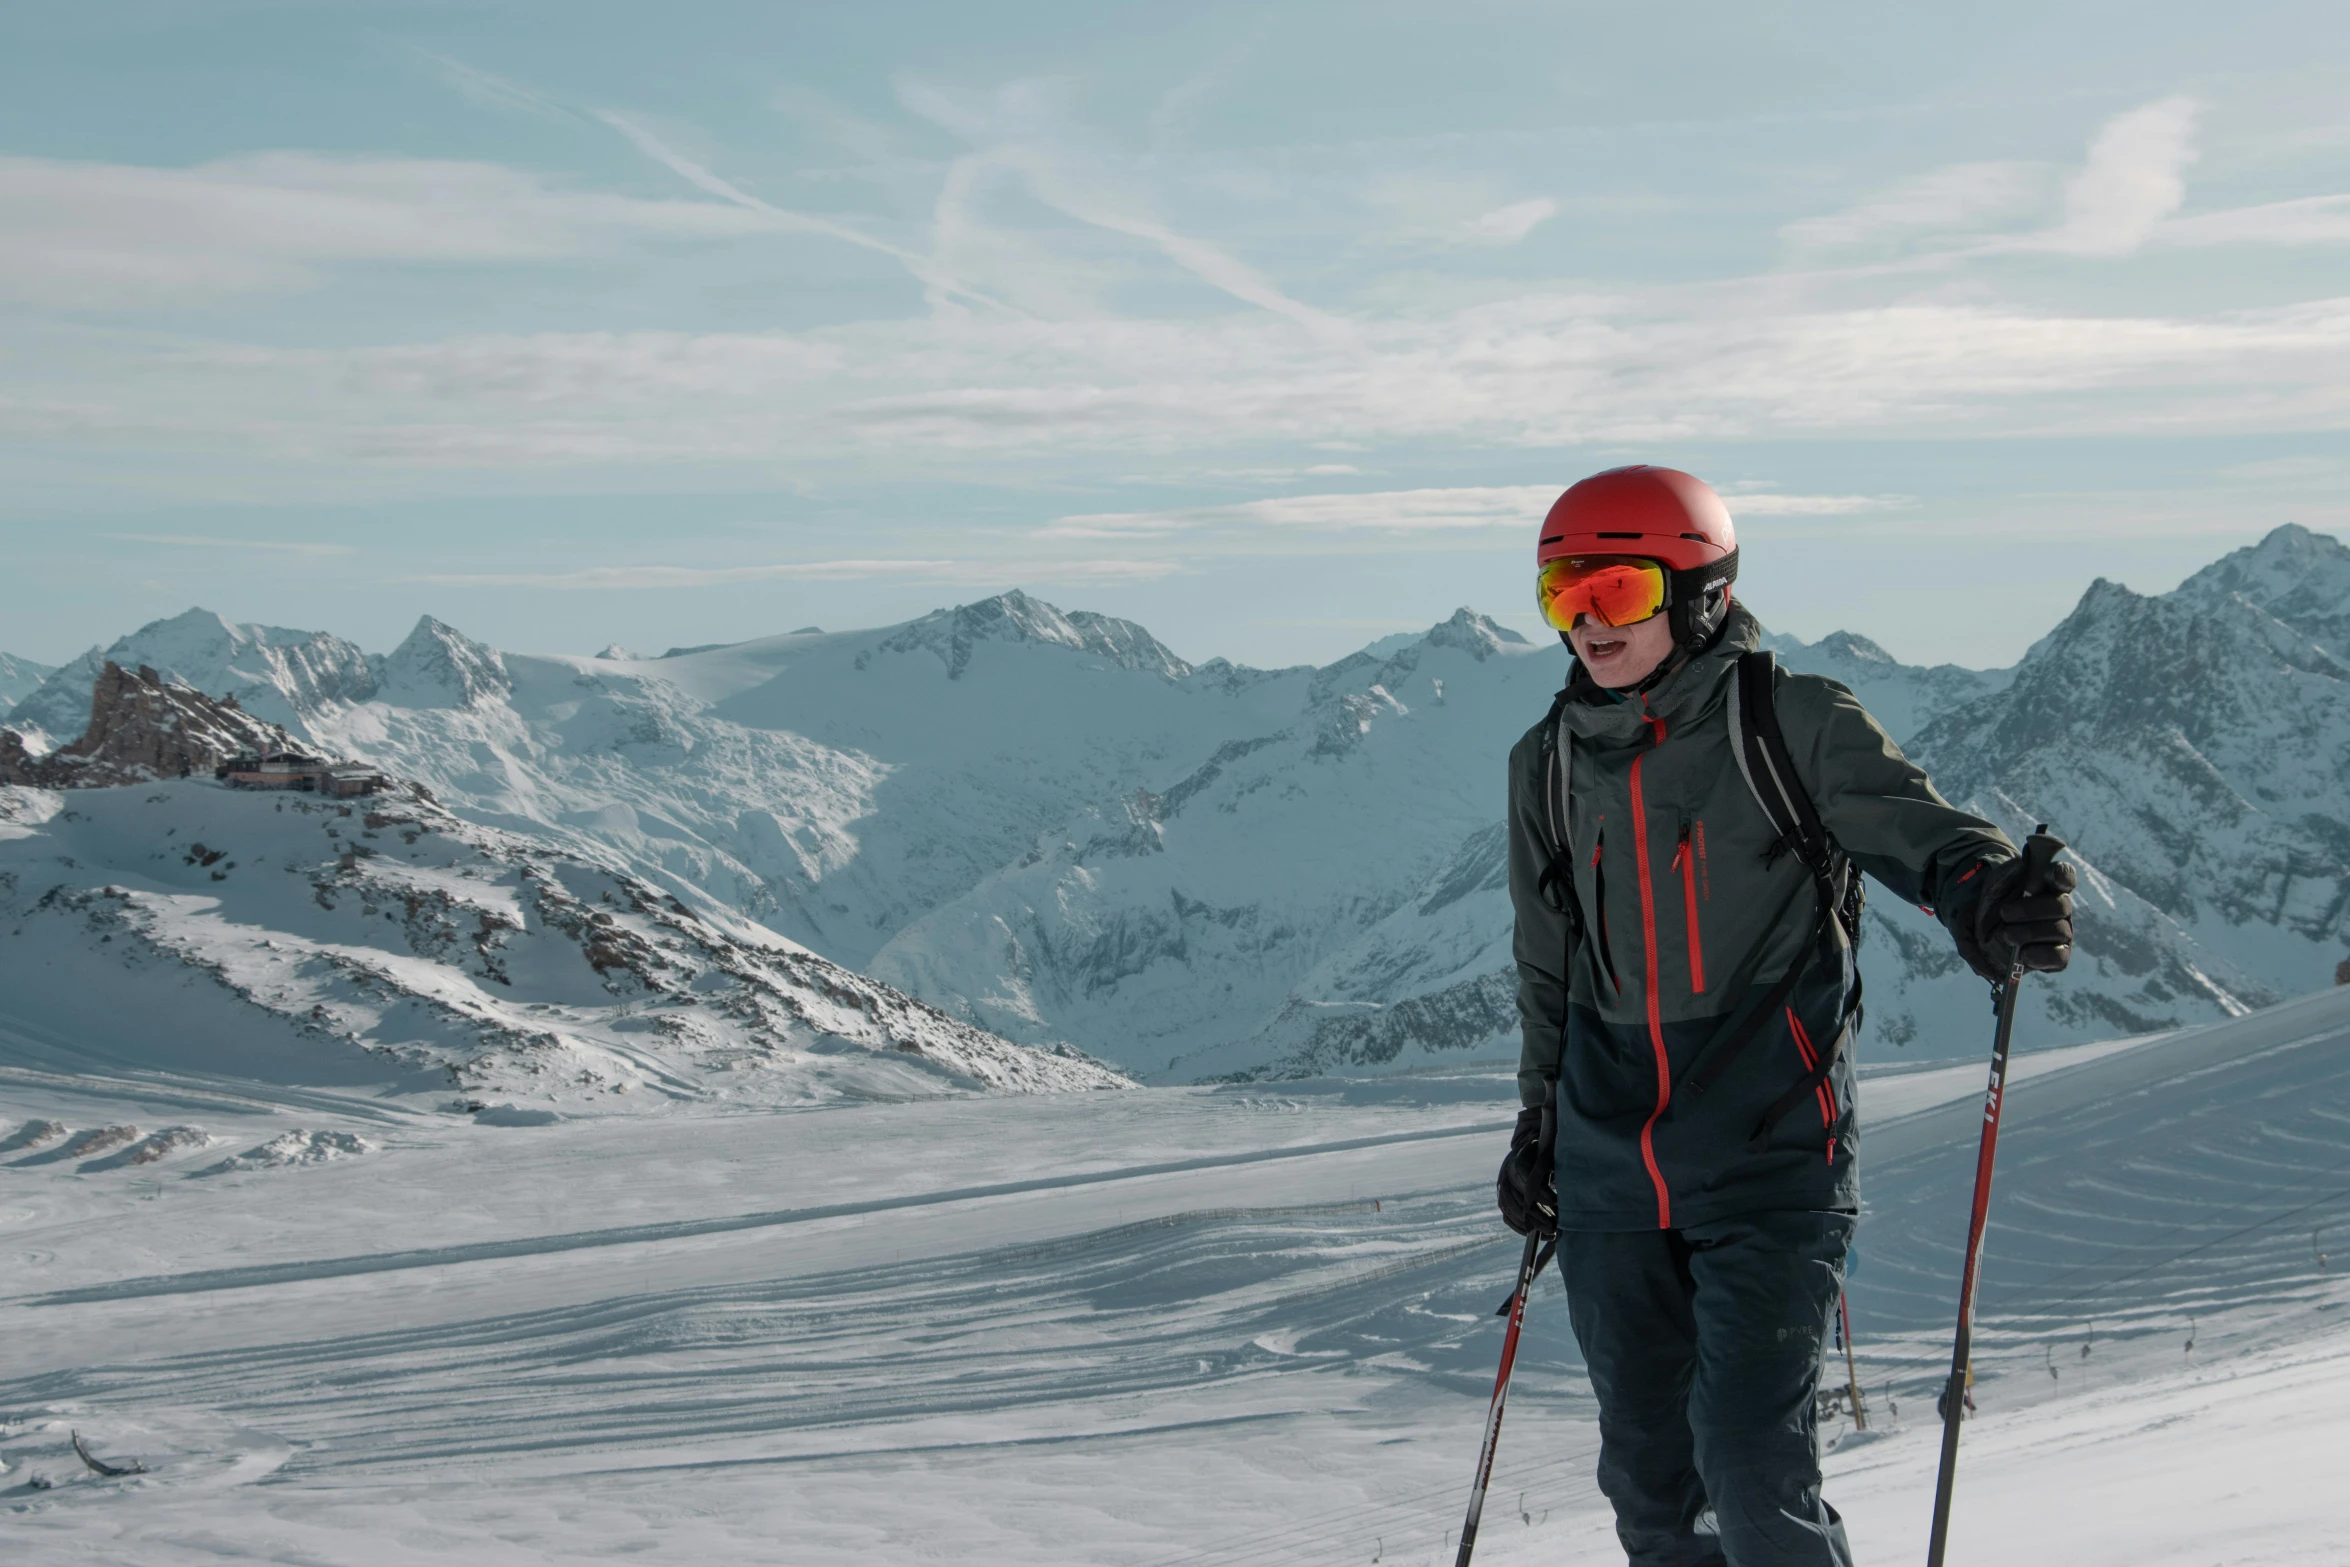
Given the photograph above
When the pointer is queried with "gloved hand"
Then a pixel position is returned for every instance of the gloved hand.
(1524, 1189)
(2012, 925)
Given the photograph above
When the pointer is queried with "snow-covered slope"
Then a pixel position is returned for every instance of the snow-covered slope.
(1902, 697)
(1177, 926)
(834, 787)
(20, 678)
(2297, 577)
(2195, 750)
(282, 676)
(284, 939)
(1313, 914)
(1171, 1326)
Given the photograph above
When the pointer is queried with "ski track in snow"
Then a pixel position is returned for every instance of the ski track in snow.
(1168, 1328)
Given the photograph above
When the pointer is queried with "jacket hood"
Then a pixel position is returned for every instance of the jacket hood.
(1682, 698)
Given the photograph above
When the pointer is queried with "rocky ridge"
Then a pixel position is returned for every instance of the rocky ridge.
(141, 728)
(2195, 749)
(293, 939)
(278, 675)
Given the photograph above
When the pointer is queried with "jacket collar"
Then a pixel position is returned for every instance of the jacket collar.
(1681, 699)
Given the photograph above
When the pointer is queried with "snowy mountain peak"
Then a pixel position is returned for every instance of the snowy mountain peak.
(2193, 748)
(1015, 617)
(282, 675)
(1902, 697)
(2208, 666)
(1854, 648)
(1479, 636)
(1377, 671)
(440, 666)
(2300, 577)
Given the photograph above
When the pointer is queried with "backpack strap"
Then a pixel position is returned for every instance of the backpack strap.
(1556, 884)
(1761, 749)
(1768, 767)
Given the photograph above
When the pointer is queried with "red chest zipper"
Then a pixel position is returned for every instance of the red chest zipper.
(1685, 861)
(1656, 1017)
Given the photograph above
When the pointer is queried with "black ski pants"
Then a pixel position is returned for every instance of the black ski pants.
(1704, 1348)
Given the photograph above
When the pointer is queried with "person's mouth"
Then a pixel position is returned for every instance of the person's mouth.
(1599, 648)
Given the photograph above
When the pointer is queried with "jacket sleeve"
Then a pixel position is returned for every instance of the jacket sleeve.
(1539, 941)
(1880, 806)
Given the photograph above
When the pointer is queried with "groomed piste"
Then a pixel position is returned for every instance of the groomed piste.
(1157, 1327)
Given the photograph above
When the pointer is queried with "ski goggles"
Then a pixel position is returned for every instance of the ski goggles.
(1615, 590)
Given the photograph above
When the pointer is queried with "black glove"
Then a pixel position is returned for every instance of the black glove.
(1524, 1190)
(2019, 918)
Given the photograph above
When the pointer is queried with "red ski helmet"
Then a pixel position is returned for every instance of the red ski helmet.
(1659, 514)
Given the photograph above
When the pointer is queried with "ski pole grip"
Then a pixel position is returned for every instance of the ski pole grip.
(1546, 1147)
(2040, 852)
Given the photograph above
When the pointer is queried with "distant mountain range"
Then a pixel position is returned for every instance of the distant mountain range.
(177, 924)
(1051, 826)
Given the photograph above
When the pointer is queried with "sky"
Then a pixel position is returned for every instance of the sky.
(1274, 326)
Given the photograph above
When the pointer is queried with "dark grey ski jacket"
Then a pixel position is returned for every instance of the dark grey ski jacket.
(1691, 911)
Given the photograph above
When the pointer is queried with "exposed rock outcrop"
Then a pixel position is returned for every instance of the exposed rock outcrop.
(142, 727)
(276, 673)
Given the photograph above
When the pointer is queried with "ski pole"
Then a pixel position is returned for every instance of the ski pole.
(1860, 1416)
(1538, 1250)
(2040, 851)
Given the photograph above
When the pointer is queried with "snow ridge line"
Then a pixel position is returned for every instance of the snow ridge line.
(680, 1229)
(1046, 1250)
(2310, 1021)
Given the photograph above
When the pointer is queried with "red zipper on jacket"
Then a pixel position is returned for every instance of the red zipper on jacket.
(1824, 1091)
(1686, 863)
(1656, 1018)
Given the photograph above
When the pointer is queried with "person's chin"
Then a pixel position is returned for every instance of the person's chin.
(1612, 670)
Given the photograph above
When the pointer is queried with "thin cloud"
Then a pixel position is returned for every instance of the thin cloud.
(1022, 137)
(2312, 220)
(1397, 511)
(2126, 192)
(1775, 505)
(1410, 511)
(702, 179)
(77, 233)
(2134, 178)
(1510, 224)
(1963, 197)
(303, 547)
(972, 574)
(1537, 370)
(1103, 570)
(629, 577)
(479, 87)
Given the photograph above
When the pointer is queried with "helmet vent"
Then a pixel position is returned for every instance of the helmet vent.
(1623, 535)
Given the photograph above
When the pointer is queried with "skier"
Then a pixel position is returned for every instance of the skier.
(1688, 996)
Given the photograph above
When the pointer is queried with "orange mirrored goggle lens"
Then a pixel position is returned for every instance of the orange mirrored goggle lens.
(1615, 592)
